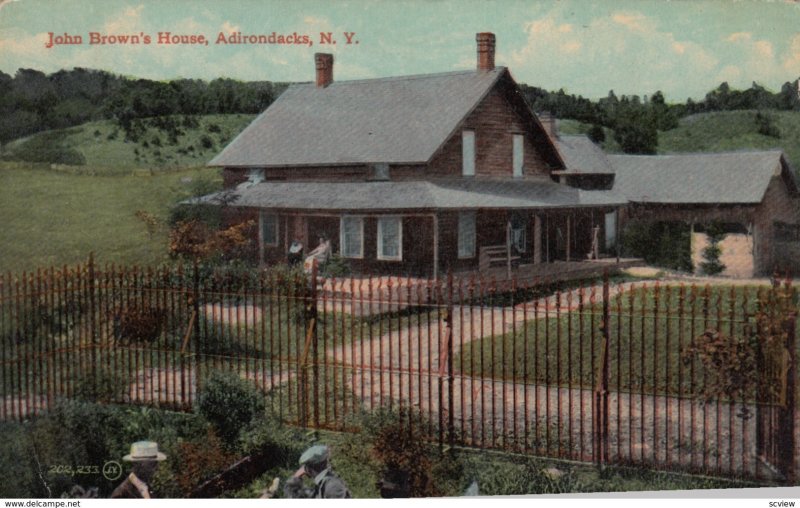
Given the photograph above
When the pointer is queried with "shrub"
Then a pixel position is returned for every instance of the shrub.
(336, 266)
(229, 403)
(206, 142)
(765, 125)
(200, 459)
(665, 244)
(398, 451)
(712, 264)
(139, 323)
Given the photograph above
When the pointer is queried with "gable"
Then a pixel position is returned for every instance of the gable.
(402, 120)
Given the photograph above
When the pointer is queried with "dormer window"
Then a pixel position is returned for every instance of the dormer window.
(468, 153)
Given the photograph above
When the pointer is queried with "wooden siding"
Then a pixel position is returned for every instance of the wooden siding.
(495, 123)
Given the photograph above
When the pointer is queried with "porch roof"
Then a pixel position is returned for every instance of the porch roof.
(452, 194)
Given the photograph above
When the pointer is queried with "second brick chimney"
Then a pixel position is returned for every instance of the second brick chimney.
(485, 51)
(324, 64)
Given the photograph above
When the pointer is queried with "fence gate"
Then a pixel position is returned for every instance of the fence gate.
(775, 419)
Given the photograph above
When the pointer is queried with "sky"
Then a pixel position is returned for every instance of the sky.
(682, 47)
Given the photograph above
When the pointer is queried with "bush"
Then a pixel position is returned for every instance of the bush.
(103, 385)
(199, 460)
(393, 446)
(336, 266)
(711, 254)
(229, 403)
(664, 244)
(765, 125)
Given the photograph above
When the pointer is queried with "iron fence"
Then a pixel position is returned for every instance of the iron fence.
(630, 372)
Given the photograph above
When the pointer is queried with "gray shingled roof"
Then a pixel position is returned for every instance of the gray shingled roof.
(581, 155)
(389, 120)
(703, 178)
(406, 195)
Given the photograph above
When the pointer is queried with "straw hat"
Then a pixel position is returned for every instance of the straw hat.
(143, 451)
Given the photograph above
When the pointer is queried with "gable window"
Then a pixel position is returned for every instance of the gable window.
(466, 235)
(269, 229)
(390, 238)
(519, 155)
(352, 237)
(468, 153)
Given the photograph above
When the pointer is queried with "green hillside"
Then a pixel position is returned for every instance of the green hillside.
(101, 147)
(723, 131)
(730, 131)
(52, 218)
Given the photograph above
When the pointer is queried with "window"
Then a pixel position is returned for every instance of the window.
(519, 232)
(255, 176)
(468, 153)
(352, 237)
(466, 235)
(519, 152)
(390, 238)
(269, 229)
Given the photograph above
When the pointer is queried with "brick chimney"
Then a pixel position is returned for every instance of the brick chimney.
(485, 51)
(324, 64)
(549, 123)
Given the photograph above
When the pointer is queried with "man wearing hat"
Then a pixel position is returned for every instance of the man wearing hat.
(315, 464)
(145, 458)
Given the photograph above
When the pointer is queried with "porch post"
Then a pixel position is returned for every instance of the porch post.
(260, 236)
(508, 248)
(435, 246)
(569, 238)
(537, 239)
(547, 236)
(617, 212)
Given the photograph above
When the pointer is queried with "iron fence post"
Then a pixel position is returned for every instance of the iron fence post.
(787, 418)
(450, 374)
(601, 386)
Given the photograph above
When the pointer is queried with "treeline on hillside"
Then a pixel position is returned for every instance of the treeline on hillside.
(636, 120)
(32, 101)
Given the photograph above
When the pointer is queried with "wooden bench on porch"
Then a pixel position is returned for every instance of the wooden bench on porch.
(495, 255)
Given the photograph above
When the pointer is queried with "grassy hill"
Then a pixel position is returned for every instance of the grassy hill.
(730, 131)
(102, 148)
(723, 131)
(52, 218)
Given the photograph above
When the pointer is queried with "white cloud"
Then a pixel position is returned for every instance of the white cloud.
(628, 51)
(791, 62)
(228, 27)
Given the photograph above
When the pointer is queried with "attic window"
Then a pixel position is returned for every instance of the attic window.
(468, 153)
(518, 155)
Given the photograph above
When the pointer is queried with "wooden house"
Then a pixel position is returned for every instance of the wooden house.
(413, 175)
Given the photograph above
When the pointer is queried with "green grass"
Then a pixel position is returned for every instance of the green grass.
(722, 131)
(731, 131)
(54, 218)
(103, 146)
(646, 341)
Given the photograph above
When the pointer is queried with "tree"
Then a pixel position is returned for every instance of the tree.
(635, 131)
(712, 253)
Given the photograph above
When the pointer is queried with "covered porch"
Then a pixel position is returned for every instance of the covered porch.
(428, 229)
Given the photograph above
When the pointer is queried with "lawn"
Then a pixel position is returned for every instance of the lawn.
(55, 218)
(102, 146)
(649, 330)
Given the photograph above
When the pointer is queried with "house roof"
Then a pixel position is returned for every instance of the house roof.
(397, 120)
(581, 155)
(454, 194)
(703, 178)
